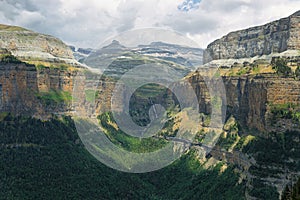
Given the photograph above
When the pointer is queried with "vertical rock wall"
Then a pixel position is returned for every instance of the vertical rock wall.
(248, 97)
(274, 37)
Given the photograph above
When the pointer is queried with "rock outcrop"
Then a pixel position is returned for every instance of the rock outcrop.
(27, 89)
(274, 37)
(27, 44)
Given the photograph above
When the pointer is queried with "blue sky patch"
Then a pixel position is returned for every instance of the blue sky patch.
(188, 5)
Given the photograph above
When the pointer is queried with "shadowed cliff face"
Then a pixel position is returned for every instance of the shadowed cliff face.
(274, 37)
(247, 100)
(249, 97)
(18, 83)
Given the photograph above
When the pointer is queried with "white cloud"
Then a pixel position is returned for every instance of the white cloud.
(88, 23)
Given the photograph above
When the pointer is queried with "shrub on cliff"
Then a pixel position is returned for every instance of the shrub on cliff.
(281, 68)
(54, 97)
(7, 58)
(297, 72)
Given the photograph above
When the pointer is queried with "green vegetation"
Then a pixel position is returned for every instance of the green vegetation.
(46, 160)
(297, 72)
(243, 142)
(274, 154)
(200, 136)
(256, 69)
(292, 192)
(131, 60)
(228, 141)
(11, 28)
(261, 37)
(40, 67)
(150, 90)
(217, 74)
(3, 115)
(285, 111)
(281, 67)
(90, 95)
(263, 191)
(275, 149)
(62, 67)
(54, 97)
(216, 102)
(242, 71)
(207, 120)
(246, 69)
(127, 142)
(8, 58)
(231, 137)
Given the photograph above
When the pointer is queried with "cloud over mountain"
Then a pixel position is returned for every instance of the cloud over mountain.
(88, 23)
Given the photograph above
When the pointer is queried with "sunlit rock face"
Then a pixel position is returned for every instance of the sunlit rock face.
(274, 37)
(27, 44)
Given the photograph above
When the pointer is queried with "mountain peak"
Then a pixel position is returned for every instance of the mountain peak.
(296, 14)
(115, 44)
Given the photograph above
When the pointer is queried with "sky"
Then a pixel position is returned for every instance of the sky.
(87, 23)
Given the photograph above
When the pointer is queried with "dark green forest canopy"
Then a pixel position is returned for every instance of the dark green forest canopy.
(46, 160)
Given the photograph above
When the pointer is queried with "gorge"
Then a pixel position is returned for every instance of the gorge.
(37, 76)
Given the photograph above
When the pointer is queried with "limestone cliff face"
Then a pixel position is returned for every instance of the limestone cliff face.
(55, 79)
(24, 89)
(27, 44)
(29, 90)
(248, 97)
(274, 37)
(17, 88)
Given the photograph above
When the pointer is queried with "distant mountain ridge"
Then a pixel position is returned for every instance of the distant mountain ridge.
(187, 57)
(184, 55)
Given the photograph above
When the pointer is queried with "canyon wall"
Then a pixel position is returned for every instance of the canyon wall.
(274, 37)
(27, 89)
(249, 97)
(24, 90)
(18, 83)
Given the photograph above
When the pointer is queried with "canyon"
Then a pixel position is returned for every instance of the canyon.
(38, 75)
